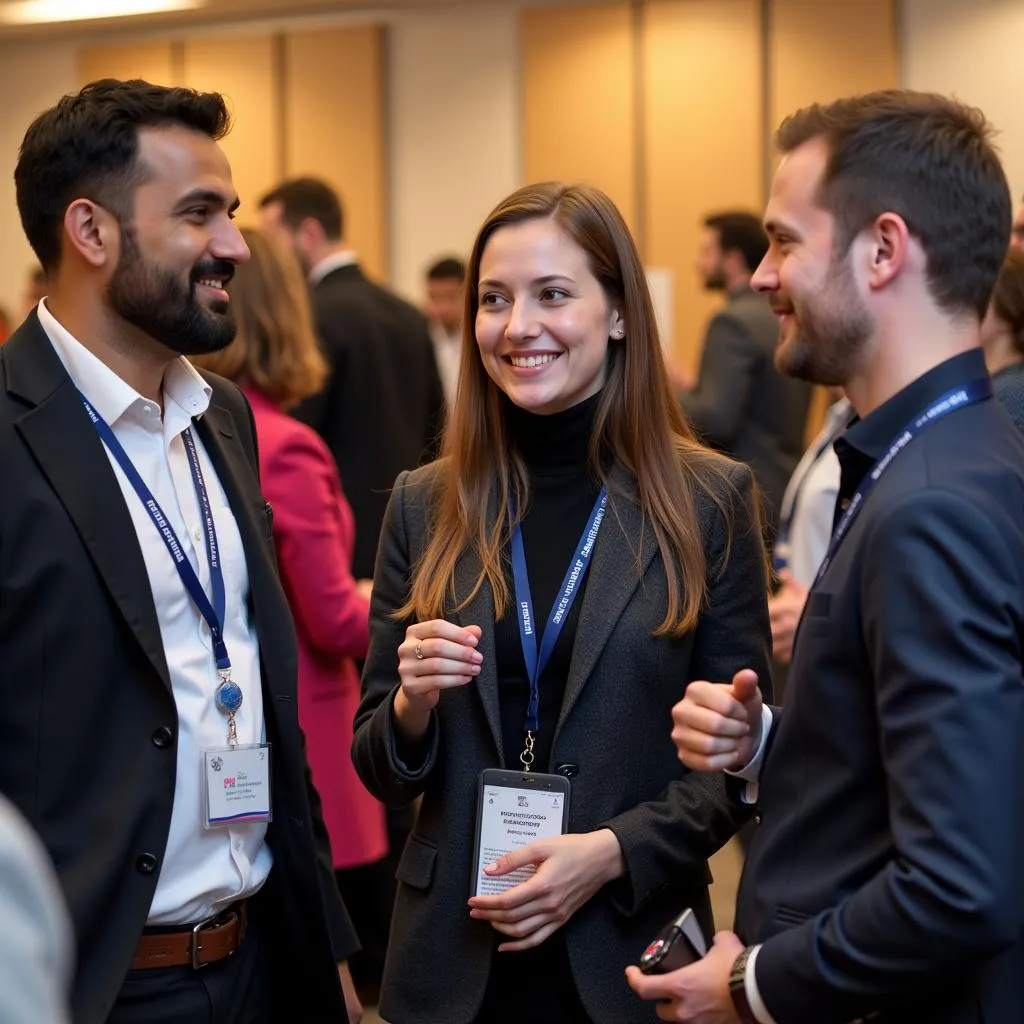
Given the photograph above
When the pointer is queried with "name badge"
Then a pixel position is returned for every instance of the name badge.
(237, 785)
(515, 809)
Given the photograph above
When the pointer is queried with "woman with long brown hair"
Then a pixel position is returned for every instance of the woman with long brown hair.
(564, 435)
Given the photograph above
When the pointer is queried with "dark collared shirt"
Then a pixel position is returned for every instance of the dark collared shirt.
(867, 440)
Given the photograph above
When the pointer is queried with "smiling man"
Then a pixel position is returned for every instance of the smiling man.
(147, 659)
(884, 878)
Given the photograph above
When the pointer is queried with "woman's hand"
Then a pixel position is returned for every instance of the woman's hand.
(434, 656)
(570, 869)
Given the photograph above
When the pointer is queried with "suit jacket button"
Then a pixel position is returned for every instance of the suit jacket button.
(568, 769)
(146, 864)
(757, 819)
(163, 737)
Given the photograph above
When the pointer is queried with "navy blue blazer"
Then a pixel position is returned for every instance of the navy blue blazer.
(886, 875)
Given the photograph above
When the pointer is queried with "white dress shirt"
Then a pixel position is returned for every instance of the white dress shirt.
(809, 504)
(335, 261)
(37, 945)
(447, 355)
(203, 870)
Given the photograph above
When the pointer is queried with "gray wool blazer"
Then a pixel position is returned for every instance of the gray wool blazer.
(615, 725)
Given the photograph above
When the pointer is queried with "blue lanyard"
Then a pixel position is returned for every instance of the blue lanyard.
(213, 614)
(536, 661)
(958, 398)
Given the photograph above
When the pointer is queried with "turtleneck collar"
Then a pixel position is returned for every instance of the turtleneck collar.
(556, 442)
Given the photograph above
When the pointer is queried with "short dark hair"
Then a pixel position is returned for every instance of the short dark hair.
(740, 231)
(308, 197)
(451, 268)
(928, 159)
(88, 145)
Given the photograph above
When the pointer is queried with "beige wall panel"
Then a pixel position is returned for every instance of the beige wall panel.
(152, 61)
(703, 148)
(821, 51)
(335, 129)
(242, 69)
(579, 117)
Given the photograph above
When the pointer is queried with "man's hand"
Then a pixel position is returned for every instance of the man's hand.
(717, 726)
(785, 608)
(353, 1008)
(698, 994)
(570, 869)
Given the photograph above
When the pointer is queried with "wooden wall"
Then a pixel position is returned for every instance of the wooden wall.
(302, 103)
(670, 105)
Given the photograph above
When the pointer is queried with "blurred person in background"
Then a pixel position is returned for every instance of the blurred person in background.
(444, 305)
(1017, 230)
(382, 406)
(36, 943)
(380, 412)
(276, 361)
(565, 409)
(740, 403)
(1002, 336)
(805, 528)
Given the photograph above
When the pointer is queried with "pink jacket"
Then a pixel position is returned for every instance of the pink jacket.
(314, 532)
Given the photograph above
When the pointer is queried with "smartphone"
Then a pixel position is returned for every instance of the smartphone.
(514, 809)
(678, 944)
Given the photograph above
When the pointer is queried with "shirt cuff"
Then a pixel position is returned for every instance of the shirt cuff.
(750, 773)
(757, 1007)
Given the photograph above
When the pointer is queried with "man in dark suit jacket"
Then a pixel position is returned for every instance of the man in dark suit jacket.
(382, 408)
(884, 880)
(741, 404)
(107, 664)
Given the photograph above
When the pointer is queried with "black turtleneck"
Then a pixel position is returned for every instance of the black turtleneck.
(562, 496)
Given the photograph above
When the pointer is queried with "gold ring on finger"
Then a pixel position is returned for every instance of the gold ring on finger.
(419, 650)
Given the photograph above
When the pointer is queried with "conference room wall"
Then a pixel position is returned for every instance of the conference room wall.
(455, 118)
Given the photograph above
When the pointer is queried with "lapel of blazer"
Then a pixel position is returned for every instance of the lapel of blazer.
(234, 470)
(622, 553)
(57, 430)
(480, 612)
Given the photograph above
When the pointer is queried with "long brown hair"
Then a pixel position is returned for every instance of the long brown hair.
(275, 349)
(638, 428)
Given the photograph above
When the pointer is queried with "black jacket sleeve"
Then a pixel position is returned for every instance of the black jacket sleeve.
(941, 605)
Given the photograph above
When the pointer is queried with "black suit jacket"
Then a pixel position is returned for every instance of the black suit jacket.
(614, 727)
(382, 408)
(742, 405)
(887, 872)
(86, 706)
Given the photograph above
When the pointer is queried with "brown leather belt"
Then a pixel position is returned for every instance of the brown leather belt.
(205, 943)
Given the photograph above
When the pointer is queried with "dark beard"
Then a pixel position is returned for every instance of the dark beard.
(153, 299)
(830, 338)
(715, 281)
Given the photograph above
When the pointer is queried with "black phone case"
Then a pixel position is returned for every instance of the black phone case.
(679, 944)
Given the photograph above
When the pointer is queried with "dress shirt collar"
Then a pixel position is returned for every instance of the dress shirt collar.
(183, 386)
(872, 436)
(335, 261)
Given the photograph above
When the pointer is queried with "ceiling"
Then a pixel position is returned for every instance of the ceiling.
(213, 11)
